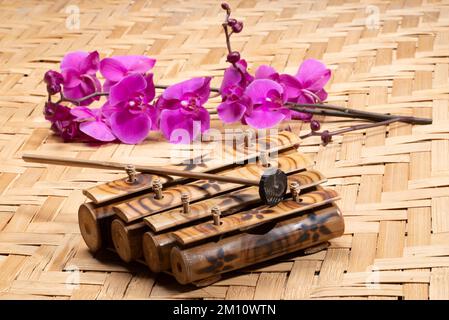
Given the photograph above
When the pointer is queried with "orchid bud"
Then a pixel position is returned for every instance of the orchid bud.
(326, 137)
(53, 88)
(225, 6)
(54, 81)
(232, 22)
(56, 112)
(233, 57)
(237, 27)
(69, 131)
(315, 125)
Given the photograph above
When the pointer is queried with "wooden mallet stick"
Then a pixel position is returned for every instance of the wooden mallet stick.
(272, 185)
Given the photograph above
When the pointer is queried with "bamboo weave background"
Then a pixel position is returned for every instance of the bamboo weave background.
(394, 181)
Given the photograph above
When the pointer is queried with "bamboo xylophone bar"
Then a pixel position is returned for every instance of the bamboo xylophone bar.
(254, 246)
(125, 237)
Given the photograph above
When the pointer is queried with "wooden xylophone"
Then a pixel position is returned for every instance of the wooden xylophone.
(197, 230)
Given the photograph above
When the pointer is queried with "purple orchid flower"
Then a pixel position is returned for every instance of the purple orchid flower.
(79, 71)
(267, 72)
(235, 79)
(116, 68)
(62, 121)
(128, 110)
(183, 116)
(267, 100)
(92, 123)
(234, 103)
(54, 81)
(56, 112)
(308, 83)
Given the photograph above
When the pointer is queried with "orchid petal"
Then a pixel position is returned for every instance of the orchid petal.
(203, 117)
(135, 63)
(130, 128)
(123, 90)
(258, 90)
(82, 113)
(107, 110)
(73, 60)
(263, 118)
(178, 127)
(291, 85)
(89, 85)
(153, 113)
(321, 94)
(90, 64)
(305, 97)
(74, 93)
(265, 72)
(161, 103)
(150, 90)
(204, 91)
(230, 112)
(97, 130)
(304, 116)
(71, 78)
(231, 77)
(112, 69)
(313, 75)
(176, 91)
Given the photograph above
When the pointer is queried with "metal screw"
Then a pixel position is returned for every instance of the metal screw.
(185, 198)
(216, 214)
(294, 188)
(131, 172)
(157, 188)
(264, 158)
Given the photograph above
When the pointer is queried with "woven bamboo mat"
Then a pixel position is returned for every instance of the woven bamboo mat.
(386, 56)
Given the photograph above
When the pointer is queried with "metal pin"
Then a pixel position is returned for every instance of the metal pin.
(131, 172)
(294, 188)
(185, 198)
(157, 188)
(216, 214)
(264, 158)
(248, 138)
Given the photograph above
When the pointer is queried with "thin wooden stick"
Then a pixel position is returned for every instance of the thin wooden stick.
(146, 169)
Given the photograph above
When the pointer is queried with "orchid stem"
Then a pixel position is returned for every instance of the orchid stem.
(353, 128)
(78, 101)
(228, 37)
(317, 109)
(331, 110)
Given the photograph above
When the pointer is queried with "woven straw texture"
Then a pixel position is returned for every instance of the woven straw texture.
(386, 56)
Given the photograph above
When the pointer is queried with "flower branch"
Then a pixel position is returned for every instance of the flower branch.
(326, 136)
(331, 110)
(261, 100)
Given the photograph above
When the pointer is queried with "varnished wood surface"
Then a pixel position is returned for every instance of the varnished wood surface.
(255, 216)
(146, 205)
(227, 203)
(253, 246)
(211, 162)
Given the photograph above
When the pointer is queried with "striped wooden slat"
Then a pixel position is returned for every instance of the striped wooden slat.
(227, 203)
(143, 206)
(212, 161)
(254, 217)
